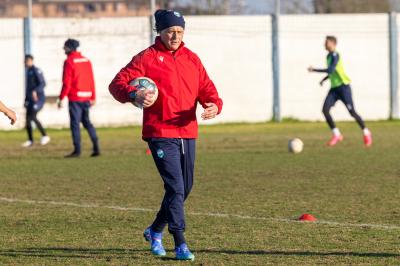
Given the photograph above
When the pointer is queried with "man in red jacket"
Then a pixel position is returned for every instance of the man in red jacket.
(169, 122)
(78, 86)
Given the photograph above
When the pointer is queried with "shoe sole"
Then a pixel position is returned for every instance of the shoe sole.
(185, 259)
(332, 145)
(45, 143)
(159, 255)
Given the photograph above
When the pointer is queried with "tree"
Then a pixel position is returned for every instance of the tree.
(351, 6)
(210, 7)
(297, 6)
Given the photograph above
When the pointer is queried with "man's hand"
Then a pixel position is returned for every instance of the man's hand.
(145, 98)
(310, 69)
(11, 115)
(59, 104)
(323, 80)
(92, 103)
(35, 96)
(210, 111)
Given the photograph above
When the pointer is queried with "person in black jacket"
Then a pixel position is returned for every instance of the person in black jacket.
(34, 100)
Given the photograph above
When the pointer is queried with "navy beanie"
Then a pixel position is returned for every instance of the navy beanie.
(168, 18)
(71, 44)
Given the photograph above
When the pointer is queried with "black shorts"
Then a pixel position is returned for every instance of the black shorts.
(342, 93)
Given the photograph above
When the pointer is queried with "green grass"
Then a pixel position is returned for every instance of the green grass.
(241, 169)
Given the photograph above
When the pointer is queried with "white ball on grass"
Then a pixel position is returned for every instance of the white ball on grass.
(295, 145)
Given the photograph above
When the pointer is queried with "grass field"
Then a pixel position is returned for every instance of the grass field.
(62, 211)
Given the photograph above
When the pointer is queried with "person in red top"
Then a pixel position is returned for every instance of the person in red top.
(169, 121)
(78, 86)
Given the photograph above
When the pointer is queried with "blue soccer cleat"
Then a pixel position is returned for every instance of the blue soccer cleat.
(183, 253)
(155, 240)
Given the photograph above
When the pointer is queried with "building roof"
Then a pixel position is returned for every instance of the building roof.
(78, 1)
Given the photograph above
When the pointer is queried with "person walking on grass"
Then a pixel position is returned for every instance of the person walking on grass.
(78, 86)
(169, 122)
(8, 112)
(340, 90)
(34, 101)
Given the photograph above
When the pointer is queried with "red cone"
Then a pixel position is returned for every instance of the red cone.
(148, 152)
(307, 218)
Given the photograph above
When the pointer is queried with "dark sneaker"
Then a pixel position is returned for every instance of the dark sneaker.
(72, 155)
(95, 154)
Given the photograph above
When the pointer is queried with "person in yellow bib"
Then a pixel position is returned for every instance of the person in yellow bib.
(340, 90)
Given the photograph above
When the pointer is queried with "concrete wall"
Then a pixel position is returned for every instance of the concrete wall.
(236, 51)
(11, 68)
(109, 43)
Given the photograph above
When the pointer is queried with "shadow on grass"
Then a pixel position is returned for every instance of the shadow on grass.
(119, 253)
(299, 253)
(66, 252)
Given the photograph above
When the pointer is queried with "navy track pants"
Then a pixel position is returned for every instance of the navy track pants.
(174, 159)
(79, 112)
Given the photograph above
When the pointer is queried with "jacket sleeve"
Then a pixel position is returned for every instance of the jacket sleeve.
(332, 66)
(93, 86)
(207, 91)
(41, 82)
(67, 79)
(119, 86)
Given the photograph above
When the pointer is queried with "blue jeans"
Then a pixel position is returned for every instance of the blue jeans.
(174, 159)
(79, 113)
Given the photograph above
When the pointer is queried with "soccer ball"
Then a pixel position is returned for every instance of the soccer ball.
(295, 145)
(143, 83)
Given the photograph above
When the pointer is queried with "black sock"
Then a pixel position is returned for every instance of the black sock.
(179, 238)
(157, 229)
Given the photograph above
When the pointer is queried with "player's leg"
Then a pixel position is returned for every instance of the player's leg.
(75, 115)
(187, 161)
(167, 157)
(45, 139)
(347, 99)
(87, 124)
(161, 219)
(329, 102)
(29, 129)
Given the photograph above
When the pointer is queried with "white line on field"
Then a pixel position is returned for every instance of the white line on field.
(209, 214)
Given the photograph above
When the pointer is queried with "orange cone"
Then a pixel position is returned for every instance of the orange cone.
(307, 218)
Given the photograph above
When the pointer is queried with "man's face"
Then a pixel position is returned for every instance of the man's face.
(330, 45)
(172, 37)
(67, 50)
(28, 62)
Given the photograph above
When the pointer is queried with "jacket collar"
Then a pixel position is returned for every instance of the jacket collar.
(158, 45)
(74, 53)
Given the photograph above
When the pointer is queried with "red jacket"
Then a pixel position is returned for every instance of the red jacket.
(182, 82)
(78, 80)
